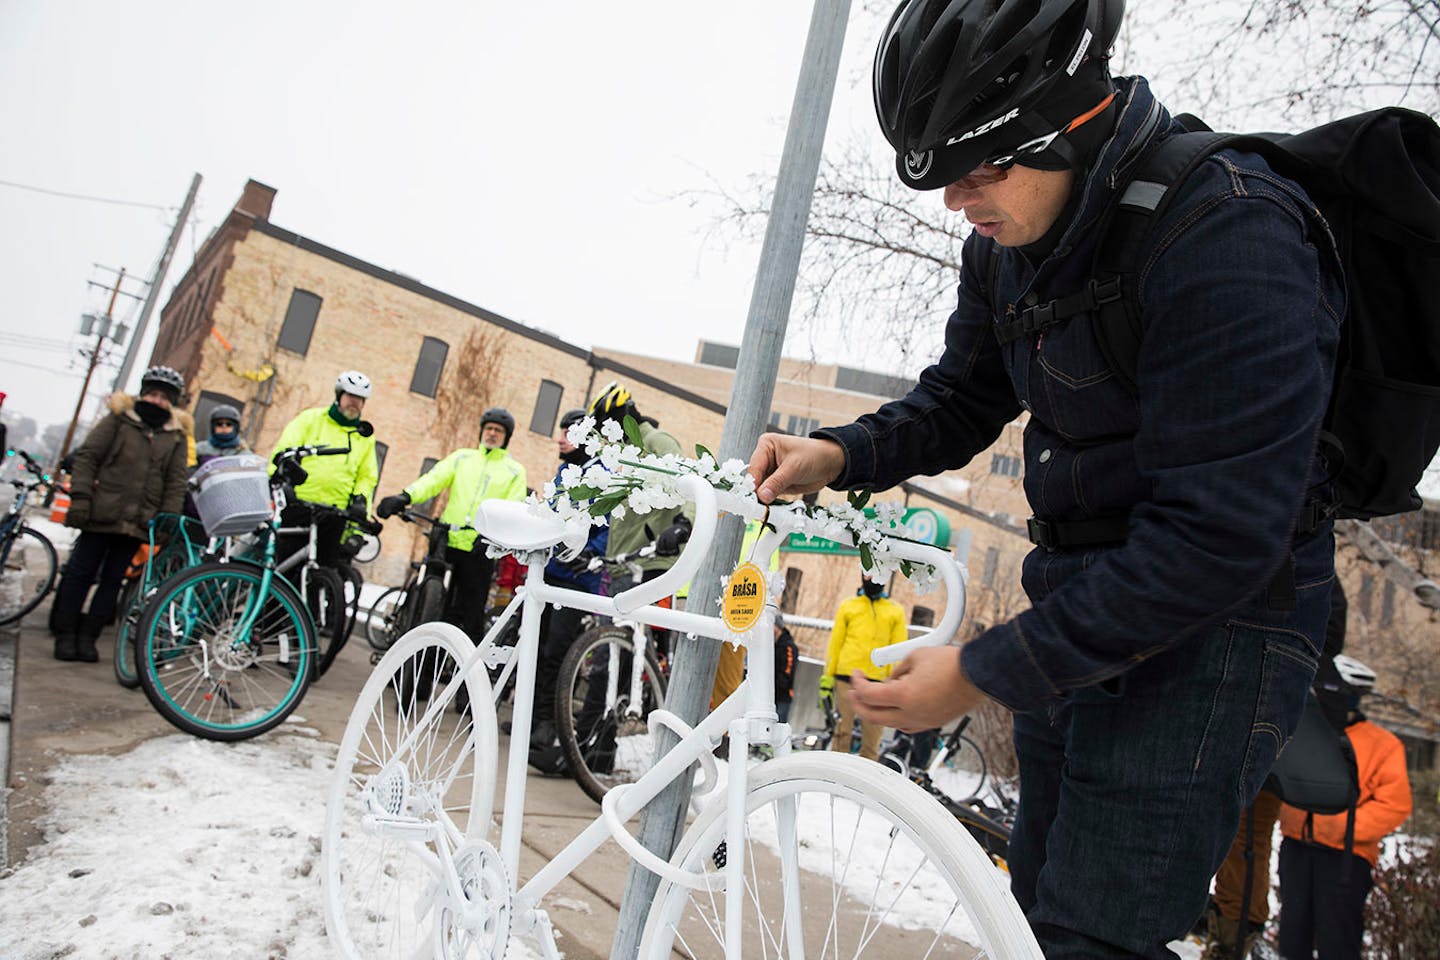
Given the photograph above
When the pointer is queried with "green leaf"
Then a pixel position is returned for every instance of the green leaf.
(906, 567)
(858, 498)
(867, 560)
(583, 492)
(632, 431)
(700, 451)
(607, 503)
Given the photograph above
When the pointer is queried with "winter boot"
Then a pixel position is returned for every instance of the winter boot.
(91, 627)
(64, 624)
(1221, 937)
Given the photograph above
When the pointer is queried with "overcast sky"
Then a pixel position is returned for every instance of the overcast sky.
(540, 160)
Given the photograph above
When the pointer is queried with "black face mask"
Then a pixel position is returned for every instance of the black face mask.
(578, 457)
(872, 589)
(151, 414)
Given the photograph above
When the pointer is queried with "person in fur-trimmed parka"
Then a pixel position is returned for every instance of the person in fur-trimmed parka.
(130, 467)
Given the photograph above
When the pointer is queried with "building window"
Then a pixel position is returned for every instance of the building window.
(1004, 465)
(208, 401)
(299, 325)
(1367, 591)
(801, 426)
(428, 367)
(547, 407)
(380, 451)
(1387, 604)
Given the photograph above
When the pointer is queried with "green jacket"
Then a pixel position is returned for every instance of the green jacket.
(471, 475)
(125, 472)
(628, 533)
(333, 478)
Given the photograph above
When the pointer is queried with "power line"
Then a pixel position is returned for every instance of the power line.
(82, 196)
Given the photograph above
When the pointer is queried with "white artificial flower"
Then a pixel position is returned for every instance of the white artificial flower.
(612, 431)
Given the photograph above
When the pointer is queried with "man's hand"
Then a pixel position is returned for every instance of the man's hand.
(791, 466)
(926, 690)
(393, 504)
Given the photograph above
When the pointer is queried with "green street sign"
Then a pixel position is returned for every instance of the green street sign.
(925, 525)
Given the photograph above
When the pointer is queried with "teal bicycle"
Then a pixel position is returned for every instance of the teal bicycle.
(226, 649)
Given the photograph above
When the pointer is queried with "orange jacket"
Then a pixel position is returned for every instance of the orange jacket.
(1384, 796)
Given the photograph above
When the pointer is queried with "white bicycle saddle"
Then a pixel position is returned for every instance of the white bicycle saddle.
(513, 525)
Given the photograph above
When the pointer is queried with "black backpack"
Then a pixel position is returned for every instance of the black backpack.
(1376, 179)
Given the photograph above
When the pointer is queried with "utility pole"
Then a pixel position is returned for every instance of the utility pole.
(156, 280)
(100, 332)
(693, 675)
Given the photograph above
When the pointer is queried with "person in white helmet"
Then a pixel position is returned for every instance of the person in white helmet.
(346, 482)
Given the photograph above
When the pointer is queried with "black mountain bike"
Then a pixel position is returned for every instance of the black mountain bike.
(22, 544)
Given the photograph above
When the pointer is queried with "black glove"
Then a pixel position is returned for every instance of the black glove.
(670, 539)
(78, 515)
(389, 506)
(356, 508)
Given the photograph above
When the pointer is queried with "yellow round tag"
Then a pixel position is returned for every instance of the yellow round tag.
(744, 598)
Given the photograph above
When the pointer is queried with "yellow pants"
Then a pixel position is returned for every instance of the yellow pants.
(728, 674)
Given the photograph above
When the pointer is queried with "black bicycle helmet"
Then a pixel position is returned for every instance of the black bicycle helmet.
(960, 82)
(571, 418)
(501, 416)
(167, 379)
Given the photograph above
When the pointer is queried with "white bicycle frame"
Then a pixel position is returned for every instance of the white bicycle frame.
(747, 715)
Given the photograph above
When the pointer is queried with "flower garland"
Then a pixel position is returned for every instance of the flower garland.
(621, 478)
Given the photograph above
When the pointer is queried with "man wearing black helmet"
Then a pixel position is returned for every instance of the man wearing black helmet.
(224, 439)
(472, 475)
(1180, 582)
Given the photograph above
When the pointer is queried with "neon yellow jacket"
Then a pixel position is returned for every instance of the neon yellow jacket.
(471, 475)
(861, 626)
(334, 478)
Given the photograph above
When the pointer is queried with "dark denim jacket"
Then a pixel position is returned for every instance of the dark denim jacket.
(1211, 455)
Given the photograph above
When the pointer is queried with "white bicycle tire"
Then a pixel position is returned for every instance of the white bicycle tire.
(344, 874)
(957, 868)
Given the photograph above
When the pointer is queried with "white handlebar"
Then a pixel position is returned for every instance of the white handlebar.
(708, 501)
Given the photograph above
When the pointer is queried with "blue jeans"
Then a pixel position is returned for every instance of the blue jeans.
(1130, 791)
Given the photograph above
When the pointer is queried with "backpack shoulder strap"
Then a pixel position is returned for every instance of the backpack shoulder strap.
(1141, 201)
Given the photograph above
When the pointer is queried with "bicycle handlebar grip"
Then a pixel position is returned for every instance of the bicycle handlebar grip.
(688, 562)
(950, 574)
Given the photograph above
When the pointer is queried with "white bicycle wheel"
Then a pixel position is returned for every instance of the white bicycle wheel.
(843, 858)
(408, 794)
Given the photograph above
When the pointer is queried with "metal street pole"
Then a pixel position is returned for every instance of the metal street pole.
(693, 673)
(90, 370)
(155, 281)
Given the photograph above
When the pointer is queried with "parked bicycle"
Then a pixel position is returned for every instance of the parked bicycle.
(956, 775)
(421, 598)
(602, 714)
(806, 854)
(26, 554)
(226, 649)
(173, 543)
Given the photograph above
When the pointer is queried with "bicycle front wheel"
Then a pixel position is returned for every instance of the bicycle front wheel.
(408, 785)
(842, 858)
(383, 621)
(132, 605)
(325, 598)
(962, 776)
(208, 675)
(30, 557)
(605, 740)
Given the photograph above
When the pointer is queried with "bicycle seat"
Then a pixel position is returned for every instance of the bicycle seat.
(512, 525)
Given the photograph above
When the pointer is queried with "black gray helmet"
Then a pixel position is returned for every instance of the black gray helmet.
(167, 379)
(223, 411)
(571, 418)
(501, 416)
(958, 83)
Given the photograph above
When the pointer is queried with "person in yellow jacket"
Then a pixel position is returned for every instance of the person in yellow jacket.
(472, 475)
(863, 623)
(331, 480)
(1322, 887)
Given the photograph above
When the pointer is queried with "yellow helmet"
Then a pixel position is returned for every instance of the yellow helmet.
(612, 403)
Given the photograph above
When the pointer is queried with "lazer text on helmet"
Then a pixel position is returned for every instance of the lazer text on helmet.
(984, 127)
